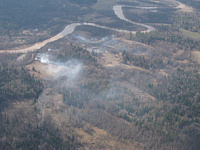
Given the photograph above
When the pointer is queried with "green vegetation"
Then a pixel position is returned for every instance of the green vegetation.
(193, 3)
(74, 52)
(20, 135)
(95, 31)
(81, 2)
(187, 21)
(18, 84)
(163, 15)
(180, 92)
(141, 61)
(191, 34)
(25, 13)
(152, 37)
(155, 105)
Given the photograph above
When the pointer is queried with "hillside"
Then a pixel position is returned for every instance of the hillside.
(110, 83)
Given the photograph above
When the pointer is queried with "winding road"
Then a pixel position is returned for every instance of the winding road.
(118, 10)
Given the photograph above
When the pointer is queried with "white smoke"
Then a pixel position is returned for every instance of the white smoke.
(62, 75)
(43, 58)
(69, 69)
(66, 70)
(82, 39)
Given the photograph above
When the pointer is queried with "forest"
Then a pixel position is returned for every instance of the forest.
(81, 2)
(96, 88)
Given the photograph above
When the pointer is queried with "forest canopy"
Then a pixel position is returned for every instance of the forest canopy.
(81, 2)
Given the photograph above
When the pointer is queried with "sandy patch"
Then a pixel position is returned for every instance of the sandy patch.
(116, 60)
(182, 7)
(196, 56)
(41, 69)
